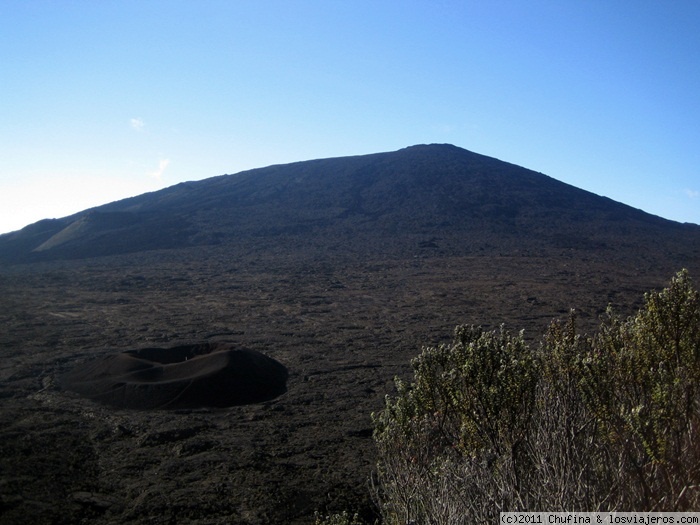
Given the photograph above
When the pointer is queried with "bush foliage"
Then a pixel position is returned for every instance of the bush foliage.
(577, 423)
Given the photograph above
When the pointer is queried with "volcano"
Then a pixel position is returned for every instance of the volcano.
(213, 352)
(418, 200)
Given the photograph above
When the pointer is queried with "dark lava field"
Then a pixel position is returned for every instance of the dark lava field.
(343, 293)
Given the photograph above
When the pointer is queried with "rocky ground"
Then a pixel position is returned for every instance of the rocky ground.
(343, 328)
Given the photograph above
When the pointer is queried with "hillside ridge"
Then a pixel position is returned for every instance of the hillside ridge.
(408, 197)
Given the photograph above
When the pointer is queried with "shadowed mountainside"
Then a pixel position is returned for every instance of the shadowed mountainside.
(422, 199)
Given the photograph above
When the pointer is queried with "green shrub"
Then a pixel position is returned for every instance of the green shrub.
(642, 383)
(489, 424)
(466, 414)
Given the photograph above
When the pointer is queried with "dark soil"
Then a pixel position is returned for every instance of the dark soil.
(343, 327)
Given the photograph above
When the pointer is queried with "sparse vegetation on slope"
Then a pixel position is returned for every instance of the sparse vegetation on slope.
(490, 423)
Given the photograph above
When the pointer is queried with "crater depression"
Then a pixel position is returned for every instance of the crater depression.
(187, 376)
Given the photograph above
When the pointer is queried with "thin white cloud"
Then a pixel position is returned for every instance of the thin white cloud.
(137, 123)
(693, 194)
(162, 165)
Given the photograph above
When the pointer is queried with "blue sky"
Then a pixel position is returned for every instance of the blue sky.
(102, 100)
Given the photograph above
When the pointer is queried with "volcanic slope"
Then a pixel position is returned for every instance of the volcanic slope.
(338, 269)
(420, 200)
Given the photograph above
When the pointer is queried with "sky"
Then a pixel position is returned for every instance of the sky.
(102, 100)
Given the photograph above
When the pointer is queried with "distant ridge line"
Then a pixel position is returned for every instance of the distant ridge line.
(427, 199)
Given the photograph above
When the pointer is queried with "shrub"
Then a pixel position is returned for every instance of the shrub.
(464, 417)
(489, 424)
(642, 382)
